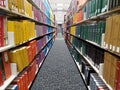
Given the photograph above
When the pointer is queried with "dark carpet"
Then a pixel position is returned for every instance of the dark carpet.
(59, 71)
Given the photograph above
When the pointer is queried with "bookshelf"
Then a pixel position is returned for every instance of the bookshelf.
(23, 19)
(90, 63)
(86, 36)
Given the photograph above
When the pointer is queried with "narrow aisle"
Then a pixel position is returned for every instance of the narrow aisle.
(59, 71)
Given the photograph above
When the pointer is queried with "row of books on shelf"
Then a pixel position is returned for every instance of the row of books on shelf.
(45, 8)
(107, 64)
(105, 34)
(25, 8)
(111, 71)
(16, 32)
(93, 8)
(97, 55)
(92, 79)
(23, 80)
(111, 39)
(20, 58)
(92, 32)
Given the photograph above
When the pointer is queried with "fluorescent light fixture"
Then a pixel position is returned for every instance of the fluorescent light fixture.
(59, 8)
(59, 4)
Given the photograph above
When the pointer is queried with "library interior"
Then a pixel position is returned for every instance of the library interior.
(59, 44)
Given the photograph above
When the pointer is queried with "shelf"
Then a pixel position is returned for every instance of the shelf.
(98, 17)
(15, 15)
(31, 1)
(7, 82)
(90, 63)
(96, 45)
(2, 49)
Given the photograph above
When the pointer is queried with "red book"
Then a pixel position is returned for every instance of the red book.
(1, 79)
(117, 80)
(1, 31)
(6, 64)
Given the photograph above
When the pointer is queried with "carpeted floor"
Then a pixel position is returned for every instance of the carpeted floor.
(59, 71)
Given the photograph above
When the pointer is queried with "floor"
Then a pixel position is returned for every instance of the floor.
(59, 71)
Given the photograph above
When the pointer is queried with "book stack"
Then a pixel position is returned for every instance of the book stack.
(114, 4)
(96, 83)
(92, 32)
(95, 7)
(20, 6)
(111, 70)
(19, 32)
(5, 71)
(111, 40)
(31, 70)
(87, 70)
(39, 30)
(24, 79)
(22, 58)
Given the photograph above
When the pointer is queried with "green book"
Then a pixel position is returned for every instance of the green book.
(99, 6)
(104, 5)
(117, 2)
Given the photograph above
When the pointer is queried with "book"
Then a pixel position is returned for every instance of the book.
(108, 29)
(115, 32)
(2, 31)
(6, 63)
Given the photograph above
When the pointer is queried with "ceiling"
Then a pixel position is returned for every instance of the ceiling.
(59, 8)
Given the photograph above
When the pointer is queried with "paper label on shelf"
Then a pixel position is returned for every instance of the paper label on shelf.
(106, 46)
(110, 46)
(6, 56)
(13, 68)
(118, 49)
(113, 49)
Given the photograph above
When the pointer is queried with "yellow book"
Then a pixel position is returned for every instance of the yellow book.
(12, 32)
(15, 58)
(108, 30)
(114, 32)
(25, 54)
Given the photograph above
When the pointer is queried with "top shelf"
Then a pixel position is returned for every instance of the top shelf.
(98, 17)
(11, 14)
(30, 1)
(86, 1)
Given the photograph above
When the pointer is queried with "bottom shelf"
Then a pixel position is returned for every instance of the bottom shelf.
(90, 63)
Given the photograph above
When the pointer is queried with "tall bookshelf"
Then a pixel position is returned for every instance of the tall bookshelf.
(27, 33)
(91, 33)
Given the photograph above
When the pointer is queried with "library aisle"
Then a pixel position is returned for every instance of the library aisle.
(59, 71)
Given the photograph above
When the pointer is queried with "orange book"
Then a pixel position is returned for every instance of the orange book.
(79, 16)
(29, 49)
(1, 79)
(6, 64)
